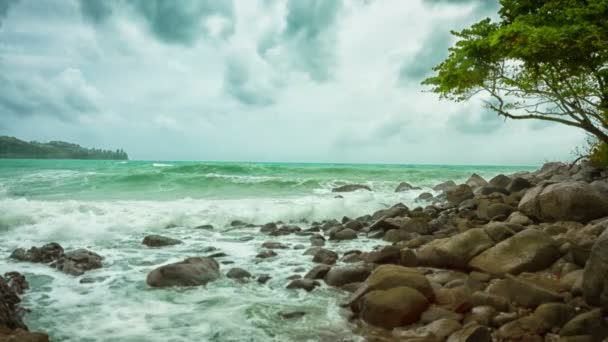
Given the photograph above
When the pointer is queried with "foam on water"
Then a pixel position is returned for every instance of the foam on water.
(109, 207)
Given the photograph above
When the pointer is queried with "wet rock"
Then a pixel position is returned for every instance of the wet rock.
(425, 196)
(519, 218)
(352, 256)
(205, 227)
(471, 333)
(500, 181)
(294, 277)
(318, 272)
(190, 272)
(303, 284)
(238, 273)
(317, 240)
(522, 292)
(590, 322)
(351, 188)
(291, 314)
(286, 230)
(159, 241)
(595, 281)
(394, 211)
(436, 331)
(354, 225)
(518, 184)
(564, 201)
(208, 249)
(274, 245)
(325, 256)
(444, 186)
(21, 335)
(527, 251)
(268, 227)
(342, 275)
(238, 223)
(10, 312)
(499, 303)
(476, 181)
(217, 255)
(16, 282)
(344, 234)
(436, 312)
(393, 307)
(263, 278)
(455, 251)
(460, 193)
(385, 255)
(45, 254)
(405, 186)
(266, 254)
(78, 261)
(389, 276)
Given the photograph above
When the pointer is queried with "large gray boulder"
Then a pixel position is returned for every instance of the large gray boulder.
(455, 251)
(159, 241)
(78, 261)
(342, 275)
(564, 201)
(459, 193)
(530, 250)
(190, 272)
(351, 188)
(595, 280)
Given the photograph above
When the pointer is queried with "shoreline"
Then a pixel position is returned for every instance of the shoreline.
(444, 269)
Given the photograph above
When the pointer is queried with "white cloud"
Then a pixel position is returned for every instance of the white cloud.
(263, 80)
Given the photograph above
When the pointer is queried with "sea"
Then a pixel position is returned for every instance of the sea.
(109, 207)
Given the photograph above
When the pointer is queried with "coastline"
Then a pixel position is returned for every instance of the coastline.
(451, 260)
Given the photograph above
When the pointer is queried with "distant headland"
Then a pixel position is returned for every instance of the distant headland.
(13, 148)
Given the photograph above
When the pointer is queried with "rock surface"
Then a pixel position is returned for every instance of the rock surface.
(159, 241)
(190, 272)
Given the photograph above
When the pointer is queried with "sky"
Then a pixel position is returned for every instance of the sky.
(259, 80)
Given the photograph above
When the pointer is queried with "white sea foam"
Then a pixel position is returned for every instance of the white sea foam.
(162, 165)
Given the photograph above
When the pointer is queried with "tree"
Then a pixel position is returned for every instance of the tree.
(542, 60)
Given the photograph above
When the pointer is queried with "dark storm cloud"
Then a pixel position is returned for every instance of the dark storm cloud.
(309, 37)
(5, 6)
(63, 97)
(239, 85)
(435, 48)
(175, 22)
(310, 26)
(95, 10)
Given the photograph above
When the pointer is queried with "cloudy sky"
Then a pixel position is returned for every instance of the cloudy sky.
(267, 80)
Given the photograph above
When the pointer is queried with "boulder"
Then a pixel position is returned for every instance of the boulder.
(591, 322)
(595, 280)
(458, 194)
(238, 273)
(425, 196)
(527, 251)
(455, 251)
(393, 307)
(564, 201)
(435, 331)
(16, 282)
(351, 188)
(471, 333)
(268, 227)
(274, 245)
(389, 276)
(385, 255)
(45, 254)
(518, 217)
(476, 181)
(444, 186)
(159, 241)
(303, 284)
(405, 186)
(489, 211)
(78, 261)
(344, 234)
(355, 225)
(190, 272)
(263, 278)
(268, 253)
(325, 256)
(318, 272)
(518, 184)
(342, 275)
(500, 181)
(522, 292)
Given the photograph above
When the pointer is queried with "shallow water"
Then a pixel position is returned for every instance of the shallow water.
(109, 207)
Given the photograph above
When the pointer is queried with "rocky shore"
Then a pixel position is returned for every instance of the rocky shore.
(520, 257)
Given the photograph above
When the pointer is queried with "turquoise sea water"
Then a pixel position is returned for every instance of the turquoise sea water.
(109, 206)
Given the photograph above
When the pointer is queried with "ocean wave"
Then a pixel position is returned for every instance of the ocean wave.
(162, 165)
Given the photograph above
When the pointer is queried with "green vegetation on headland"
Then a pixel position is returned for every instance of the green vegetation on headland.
(13, 148)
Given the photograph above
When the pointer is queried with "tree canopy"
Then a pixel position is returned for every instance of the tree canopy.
(543, 59)
(11, 147)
